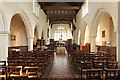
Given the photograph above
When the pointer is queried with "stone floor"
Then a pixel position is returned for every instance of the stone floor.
(60, 69)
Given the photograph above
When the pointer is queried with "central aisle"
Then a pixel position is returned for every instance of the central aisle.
(60, 67)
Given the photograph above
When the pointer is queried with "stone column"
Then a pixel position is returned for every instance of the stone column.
(4, 45)
(117, 29)
(82, 41)
(93, 43)
(118, 47)
(30, 43)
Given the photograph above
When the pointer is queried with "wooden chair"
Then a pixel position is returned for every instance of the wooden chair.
(16, 73)
(3, 70)
(99, 64)
(12, 61)
(112, 64)
(111, 74)
(94, 74)
(84, 67)
(33, 72)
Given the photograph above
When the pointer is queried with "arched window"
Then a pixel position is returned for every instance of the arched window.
(60, 34)
(36, 8)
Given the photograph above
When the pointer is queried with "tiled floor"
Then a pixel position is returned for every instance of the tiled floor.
(60, 67)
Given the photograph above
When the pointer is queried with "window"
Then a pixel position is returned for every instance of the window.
(60, 33)
(36, 8)
(85, 9)
(98, 36)
(33, 6)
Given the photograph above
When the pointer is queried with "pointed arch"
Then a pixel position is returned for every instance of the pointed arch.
(25, 20)
(96, 21)
(37, 29)
(1, 22)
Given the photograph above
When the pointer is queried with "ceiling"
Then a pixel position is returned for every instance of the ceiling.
(61, 12)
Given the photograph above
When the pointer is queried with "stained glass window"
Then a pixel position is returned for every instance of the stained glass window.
(36, 8)
(60, 33)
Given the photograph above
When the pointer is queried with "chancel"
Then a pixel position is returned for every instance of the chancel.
(42, 39)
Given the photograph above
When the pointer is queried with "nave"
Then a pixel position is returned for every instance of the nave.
(47, 64)
(59, 40)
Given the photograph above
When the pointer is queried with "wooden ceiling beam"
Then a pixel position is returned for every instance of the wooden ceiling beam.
(61, 22)
(61, 8)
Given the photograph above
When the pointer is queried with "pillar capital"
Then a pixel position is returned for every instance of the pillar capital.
(4, 32)
(92, 36)
(30, 37)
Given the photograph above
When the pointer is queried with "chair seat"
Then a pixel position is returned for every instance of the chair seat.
(33, 76)
(31, 73)
(18, 76)
(2, 76)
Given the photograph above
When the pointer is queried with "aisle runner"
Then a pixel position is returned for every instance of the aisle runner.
(60, 67)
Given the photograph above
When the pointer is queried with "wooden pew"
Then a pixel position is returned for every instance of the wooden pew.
(16, 73)
(3, 70)
(33, 72)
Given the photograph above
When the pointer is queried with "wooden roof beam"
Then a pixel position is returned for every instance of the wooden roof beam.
(61, 8)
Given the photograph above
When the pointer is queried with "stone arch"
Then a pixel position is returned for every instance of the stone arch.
(4, 21)
(1, 22)
(37, 28)
(95, 21)
(25, 20)
(18, 31)
(84, 29)
(83, 32)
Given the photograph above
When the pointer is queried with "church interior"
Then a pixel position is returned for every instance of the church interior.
(42, 40)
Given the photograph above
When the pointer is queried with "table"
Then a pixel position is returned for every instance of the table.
(61, 49)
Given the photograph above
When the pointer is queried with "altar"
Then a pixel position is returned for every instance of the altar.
(61, 50)
(61, 47)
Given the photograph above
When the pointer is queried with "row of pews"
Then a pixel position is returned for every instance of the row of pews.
(97, 66)
(27, 65)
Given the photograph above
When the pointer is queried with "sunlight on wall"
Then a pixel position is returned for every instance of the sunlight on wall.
(98, 32)
(85, 9)
(87, 39)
